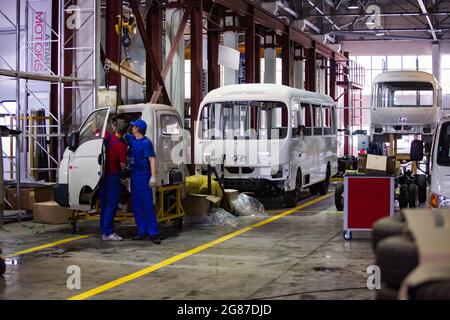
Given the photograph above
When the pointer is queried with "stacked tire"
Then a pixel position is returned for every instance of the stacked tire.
(397, 255)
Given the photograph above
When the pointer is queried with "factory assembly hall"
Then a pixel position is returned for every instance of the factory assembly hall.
(240, 151)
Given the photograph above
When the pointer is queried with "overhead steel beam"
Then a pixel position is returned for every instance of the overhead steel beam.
(323, 15)
(134, 4)
(269, 21)
(383, 14)
(427, 16)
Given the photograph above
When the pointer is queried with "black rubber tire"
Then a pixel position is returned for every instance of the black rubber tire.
(386, 293)
(412, 195)
(338, 196)
(431, 291)
(396, 256)
(291, 197)
(2, 266)
(314, 190)
(387, 227)
(324, 185)
(422, 188)
(403, 196)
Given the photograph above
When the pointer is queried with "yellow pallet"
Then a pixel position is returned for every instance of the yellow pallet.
(173, 213)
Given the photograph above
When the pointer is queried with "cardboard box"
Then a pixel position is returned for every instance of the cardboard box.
(43, 194)
(231, 194)
(27, 198)
(50, 212)
(376, 164)
(198, 204)
(362, 162)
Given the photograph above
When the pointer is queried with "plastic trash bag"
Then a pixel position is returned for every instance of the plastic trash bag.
(245, 205)
(217, 217)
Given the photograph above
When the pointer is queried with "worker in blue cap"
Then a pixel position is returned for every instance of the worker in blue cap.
(142, 161)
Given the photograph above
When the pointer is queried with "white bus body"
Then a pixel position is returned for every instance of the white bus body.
(439, 191)
(404, 102)
(271, 139)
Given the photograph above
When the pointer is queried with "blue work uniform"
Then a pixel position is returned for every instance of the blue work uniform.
(141, 193)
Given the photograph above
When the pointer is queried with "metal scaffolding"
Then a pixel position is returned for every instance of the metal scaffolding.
(55, 74)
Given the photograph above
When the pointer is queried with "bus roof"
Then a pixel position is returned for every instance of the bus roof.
(264, 92)
(399, 76)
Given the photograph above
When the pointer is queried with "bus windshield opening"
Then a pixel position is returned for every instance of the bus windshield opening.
(244, 120)
(403, 94)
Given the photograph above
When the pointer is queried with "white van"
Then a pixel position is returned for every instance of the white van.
(83, 161)
(271, 139)
(439, 191)
(404, 102)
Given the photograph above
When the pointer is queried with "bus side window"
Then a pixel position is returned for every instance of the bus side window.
(327, 125)
(317, 118)
(305, 118)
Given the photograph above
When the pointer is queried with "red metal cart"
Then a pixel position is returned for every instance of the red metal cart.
(367, 198)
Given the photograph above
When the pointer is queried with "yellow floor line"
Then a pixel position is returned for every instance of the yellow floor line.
(48, 245)
(181, 256)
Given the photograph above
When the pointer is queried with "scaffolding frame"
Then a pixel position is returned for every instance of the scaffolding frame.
(80, 79)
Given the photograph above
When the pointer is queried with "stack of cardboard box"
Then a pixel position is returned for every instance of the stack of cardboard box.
(39, 199)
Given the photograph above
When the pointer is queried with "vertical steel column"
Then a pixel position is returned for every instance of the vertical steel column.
(347, 107)
(250, 45)
(310, 70)
(286, 58)
(154, 24)
(196, 66)
(257, 59)
(54, 87)
(18, 106)
(213, 50)
(113, 9)
(332, 83)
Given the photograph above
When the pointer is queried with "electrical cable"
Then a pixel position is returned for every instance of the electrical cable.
(309, 292)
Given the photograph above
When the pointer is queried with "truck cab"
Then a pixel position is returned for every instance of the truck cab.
(83, 162)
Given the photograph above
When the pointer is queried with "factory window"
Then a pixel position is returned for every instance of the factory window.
(445, 73)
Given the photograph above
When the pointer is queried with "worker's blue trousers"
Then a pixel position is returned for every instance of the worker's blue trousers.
(142, 203)
(109, 201)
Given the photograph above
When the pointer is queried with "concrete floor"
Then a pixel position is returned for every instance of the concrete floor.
(300, 256)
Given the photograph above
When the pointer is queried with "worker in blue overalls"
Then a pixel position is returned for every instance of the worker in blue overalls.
(143, 177)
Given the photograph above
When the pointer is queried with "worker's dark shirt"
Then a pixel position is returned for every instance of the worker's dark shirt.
(116, 154)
